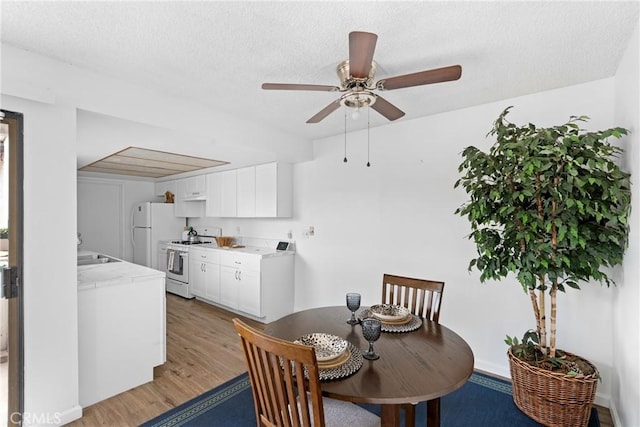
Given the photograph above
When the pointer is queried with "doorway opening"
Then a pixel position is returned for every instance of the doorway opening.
(11, 301)
(4, 262)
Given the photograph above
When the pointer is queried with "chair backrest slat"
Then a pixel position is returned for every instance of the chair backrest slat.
(422, 297)
(284, 380)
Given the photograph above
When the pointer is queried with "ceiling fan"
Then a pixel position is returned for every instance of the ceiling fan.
(356, 77)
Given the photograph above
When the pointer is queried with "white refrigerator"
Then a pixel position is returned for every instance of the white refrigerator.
(150, 224)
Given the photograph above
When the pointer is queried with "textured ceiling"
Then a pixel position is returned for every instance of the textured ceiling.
(219, 53)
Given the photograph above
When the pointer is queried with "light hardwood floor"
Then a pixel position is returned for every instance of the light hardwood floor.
(202, 352)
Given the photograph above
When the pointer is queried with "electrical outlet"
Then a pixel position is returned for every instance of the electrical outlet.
(238, 230)
(290, 234)
(308, 232)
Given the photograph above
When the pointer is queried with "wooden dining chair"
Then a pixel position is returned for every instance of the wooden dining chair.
(423, 298)
(282, 395)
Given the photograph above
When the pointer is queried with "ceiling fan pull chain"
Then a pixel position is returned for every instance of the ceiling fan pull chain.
(345, 135)
(368, 139)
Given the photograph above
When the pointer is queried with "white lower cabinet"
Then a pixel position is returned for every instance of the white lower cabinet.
(260, 287)
(204, 273)
(240, 283)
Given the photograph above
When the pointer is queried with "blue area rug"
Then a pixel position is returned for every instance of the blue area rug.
(483, 401)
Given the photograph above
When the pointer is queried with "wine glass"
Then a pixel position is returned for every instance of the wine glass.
(371, 329)
(353, 304)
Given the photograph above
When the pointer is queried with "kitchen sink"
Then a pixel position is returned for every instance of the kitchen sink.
(89, 259)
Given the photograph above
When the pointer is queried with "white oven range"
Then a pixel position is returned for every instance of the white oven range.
(177, 265)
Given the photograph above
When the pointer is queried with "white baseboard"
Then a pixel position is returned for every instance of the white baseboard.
(69, 415)
(615, 417)
(492, 368)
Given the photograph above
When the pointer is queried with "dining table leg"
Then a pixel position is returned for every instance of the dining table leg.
(409, 414)
(433, 413)
(390, 415)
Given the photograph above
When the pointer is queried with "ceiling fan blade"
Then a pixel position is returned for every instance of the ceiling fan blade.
(361, 48)
(325, 112)
(387, 109)
(293, 86)
(437, 75)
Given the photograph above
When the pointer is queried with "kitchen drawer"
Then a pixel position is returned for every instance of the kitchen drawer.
(241, 260)
(205, 255)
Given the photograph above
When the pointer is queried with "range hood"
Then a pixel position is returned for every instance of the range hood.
(195, 198)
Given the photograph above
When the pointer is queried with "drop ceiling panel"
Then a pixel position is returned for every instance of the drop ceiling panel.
(145, 174)
(149, 163)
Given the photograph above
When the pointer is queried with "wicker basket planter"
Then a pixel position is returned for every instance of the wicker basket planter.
(550, 398)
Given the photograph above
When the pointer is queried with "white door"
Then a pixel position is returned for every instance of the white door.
(228, 202)
(246, 192)
(212, 284)
(197, 277)
(267, 190)
(101, 217)
(142, 246)
(229, 286)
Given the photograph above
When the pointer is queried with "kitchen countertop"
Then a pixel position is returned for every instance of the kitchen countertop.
(255, 250)
(112, 273)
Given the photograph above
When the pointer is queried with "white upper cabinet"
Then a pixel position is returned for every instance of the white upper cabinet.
(246, 192)
(190, 195)
(213, 206)
(228, 200)
(221, 194)
(274, 190)
(264, 191)
(193, 188)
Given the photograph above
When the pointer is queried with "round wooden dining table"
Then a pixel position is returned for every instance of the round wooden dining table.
(421, 365)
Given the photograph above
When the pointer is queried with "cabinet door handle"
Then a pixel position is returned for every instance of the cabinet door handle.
(239, 275)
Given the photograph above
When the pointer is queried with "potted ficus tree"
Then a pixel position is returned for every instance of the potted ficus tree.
(549, 205)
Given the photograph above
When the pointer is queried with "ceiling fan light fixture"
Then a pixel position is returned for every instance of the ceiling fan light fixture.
(358, 100)
(356, 76)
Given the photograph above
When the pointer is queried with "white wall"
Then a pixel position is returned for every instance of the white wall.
(626, 320)
(130, 193)
(50, 290)
(398, 217)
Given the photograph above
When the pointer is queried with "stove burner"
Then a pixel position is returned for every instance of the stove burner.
(186, 242)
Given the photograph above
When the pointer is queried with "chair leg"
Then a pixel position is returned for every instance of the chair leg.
(433, 413)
